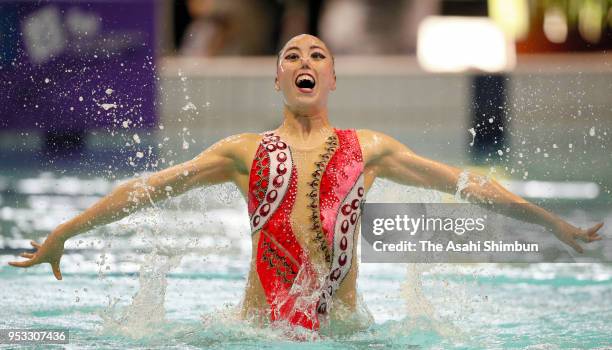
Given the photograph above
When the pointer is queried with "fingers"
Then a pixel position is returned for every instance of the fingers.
(591, 234)
(593, 237)
(597, 227)
(26, 255)
(594, 229)
(26, 263)
(587, 237)
(54, 265)
(56, 270)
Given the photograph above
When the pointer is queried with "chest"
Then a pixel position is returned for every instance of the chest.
(310, 195)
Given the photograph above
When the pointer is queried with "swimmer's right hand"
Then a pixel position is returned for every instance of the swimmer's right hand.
(50, 251)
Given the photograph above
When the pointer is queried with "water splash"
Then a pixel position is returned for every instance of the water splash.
(417, 305)
(462, 184)
(146, 312)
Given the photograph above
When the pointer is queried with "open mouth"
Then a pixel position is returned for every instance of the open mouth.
(305, 82)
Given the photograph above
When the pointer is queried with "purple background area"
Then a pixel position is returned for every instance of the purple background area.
(102, 45)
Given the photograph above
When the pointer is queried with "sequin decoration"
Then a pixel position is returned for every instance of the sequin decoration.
(274, 169)
(346, 225)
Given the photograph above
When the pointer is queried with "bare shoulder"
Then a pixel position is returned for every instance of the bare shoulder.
(374, 144)
(239, 149)
(236, 145)
(374, 137)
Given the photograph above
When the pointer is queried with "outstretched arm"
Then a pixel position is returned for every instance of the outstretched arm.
(219, 163)
(390, 159)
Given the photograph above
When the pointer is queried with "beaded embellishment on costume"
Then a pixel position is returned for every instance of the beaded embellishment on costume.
(278, 261)
(330, 149)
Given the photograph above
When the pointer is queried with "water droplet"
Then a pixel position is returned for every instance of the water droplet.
(189, 106)
(471, 131)
(107, 106)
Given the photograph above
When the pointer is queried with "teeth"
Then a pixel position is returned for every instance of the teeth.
(304, 77)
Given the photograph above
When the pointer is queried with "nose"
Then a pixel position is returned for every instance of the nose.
(305, 62)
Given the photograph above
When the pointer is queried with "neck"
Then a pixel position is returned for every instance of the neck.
(304, 127)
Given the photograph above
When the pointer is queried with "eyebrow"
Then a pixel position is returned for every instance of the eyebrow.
(311, 47)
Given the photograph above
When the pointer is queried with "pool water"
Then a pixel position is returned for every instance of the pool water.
(173, 277)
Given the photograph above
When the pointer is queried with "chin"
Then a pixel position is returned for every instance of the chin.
(306, 104)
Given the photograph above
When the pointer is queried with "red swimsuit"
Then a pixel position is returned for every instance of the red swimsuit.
(284, 269)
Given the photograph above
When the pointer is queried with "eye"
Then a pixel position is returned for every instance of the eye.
(292, 57)
(317, 55)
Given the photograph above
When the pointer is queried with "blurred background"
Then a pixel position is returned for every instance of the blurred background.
(93, 92)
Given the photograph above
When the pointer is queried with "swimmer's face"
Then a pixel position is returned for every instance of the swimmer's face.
(305, 74)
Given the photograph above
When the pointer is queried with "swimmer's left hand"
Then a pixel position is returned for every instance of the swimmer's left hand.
(570, 234)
